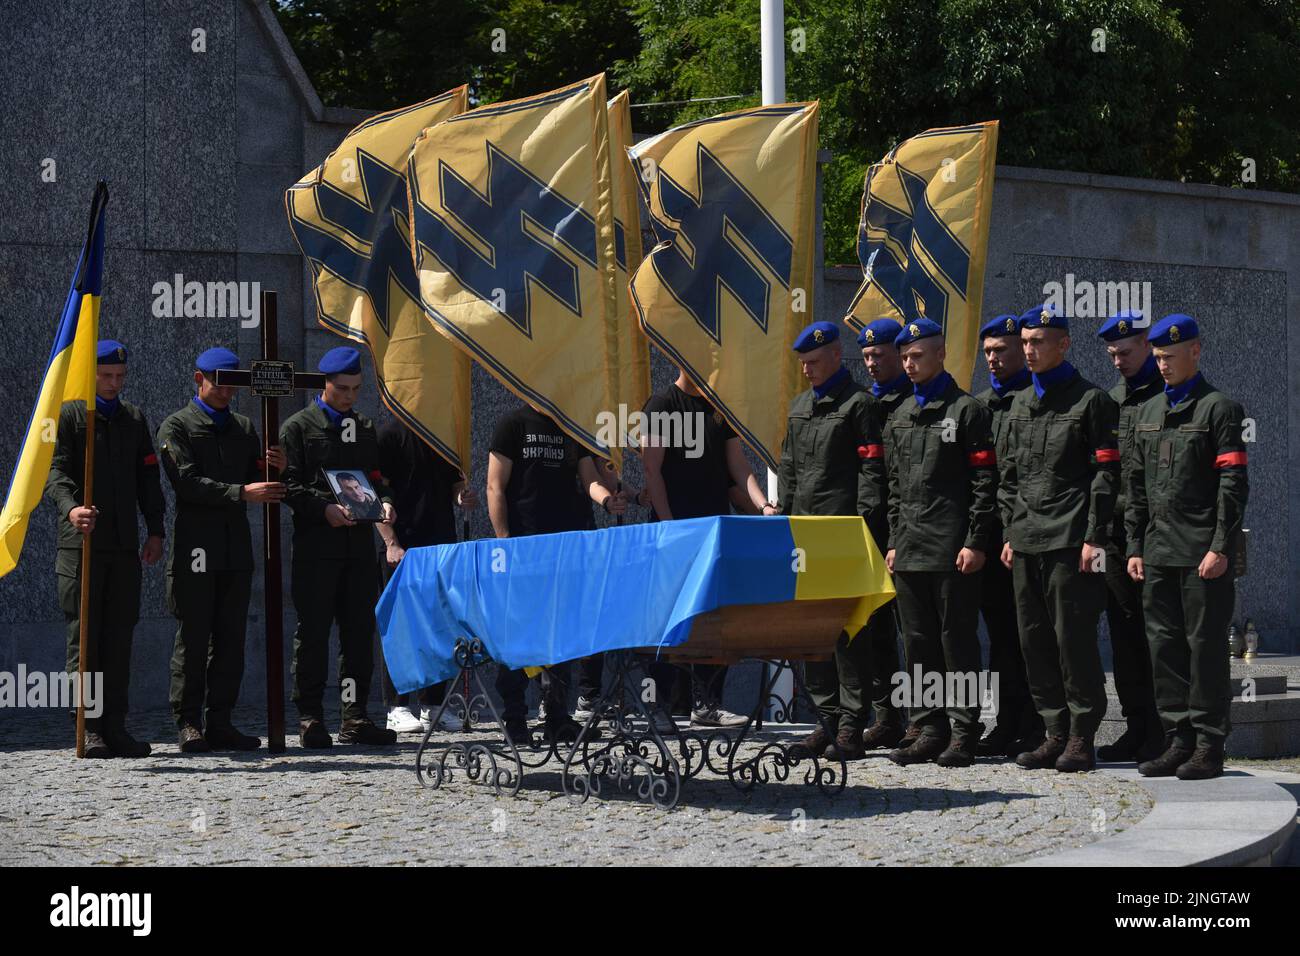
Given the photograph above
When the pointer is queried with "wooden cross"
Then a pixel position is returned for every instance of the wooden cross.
(271, 380)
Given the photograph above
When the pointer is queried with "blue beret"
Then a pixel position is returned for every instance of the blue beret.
(916, 330)
(1045, 316)
(1173, 329)
(110, 352)
(1123, 325)
(1002, 325)
(340, 361)
(213, 359)
(879, 332)
(817, 335)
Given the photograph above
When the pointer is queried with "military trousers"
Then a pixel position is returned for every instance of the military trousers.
(211, 610)
(844, 687)
(326, 591)
(939, 614)
(1187, 619)
(998, 608)
(1058, 607)
(114, 611)
(1130, 655)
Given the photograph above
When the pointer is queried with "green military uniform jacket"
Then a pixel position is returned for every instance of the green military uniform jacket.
(1187, 478)
(832, 457)
(886, 406)
(126, 478)
(208, 468)
(1060, 475)
(1129, 401)
(999, 406)
(312, 443)
(942, 480)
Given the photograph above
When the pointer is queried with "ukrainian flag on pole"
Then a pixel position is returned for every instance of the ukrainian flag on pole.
(513, 223)
(729, 284)
(349, 216)
(69, 377)
(924, 235)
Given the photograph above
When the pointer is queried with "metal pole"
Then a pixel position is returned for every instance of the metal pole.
(273, 583)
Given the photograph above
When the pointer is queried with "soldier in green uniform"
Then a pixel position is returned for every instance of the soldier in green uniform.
(832, 463)
(942, 519)
(1018, 727)
(889, 386)
(213, 458)
(1187, 499)
(1125, 336)
(1059, 483)
(126, 478)
(335, 565)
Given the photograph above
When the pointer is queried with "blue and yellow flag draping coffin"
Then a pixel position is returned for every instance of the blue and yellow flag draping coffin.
(512, 218)
(633, 378)
(349, 216)
(729, 284)
(923, 236)
(69, 377)
(555, 597)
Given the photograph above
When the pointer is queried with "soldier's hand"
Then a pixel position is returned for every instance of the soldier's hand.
(1212, 565)
(263, 492)
(969, 560)
(467, 499)
(889, 560)
(1136, 570)
(615, 504)
(1091, 558)
(83, 519)
(336, 517)
(390, 513)
(394, 553)
(152, 550)
(275, 457)
(1008, 555)
(770, 510)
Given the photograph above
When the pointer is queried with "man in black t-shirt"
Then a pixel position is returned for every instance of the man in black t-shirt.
(534, 471)
(424, 487)
(692, 461)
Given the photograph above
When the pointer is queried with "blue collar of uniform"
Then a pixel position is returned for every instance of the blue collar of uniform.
(1052, 377)
(826, 387)
(107, 409)
(1014, 384)
(219, 416)
(1143, 374)
(334, 415)
(897, 385)
(1177, 393)
(932, 389)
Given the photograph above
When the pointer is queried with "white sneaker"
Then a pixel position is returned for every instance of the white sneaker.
(449, 722)
(716, 717)
(401, 720)
(582, 713)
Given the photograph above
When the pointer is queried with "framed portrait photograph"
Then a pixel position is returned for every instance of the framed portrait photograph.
(354, 493)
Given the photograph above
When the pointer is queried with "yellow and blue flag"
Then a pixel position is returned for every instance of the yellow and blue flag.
(924, 233)
(69, 377)
(633, 378)
(513, 234)
(349, 216)
(729, 283)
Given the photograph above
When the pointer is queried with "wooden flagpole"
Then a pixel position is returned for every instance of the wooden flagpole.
(88, 499)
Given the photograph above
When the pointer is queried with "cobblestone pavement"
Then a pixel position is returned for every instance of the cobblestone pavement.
(355, 805)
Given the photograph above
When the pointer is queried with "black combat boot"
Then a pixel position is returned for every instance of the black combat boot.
(1126, 747)
(960, 753)
(1078, 756)
(360, 730)
(998, 742)
(226, 737)
(925, 748)
(814, 745)
(123, 744)
(847, 746)
(1205, 763)
(1044, 755)
(882, 734)
(1166, 765)
(190, 740)
(96, 748)
(313, 735)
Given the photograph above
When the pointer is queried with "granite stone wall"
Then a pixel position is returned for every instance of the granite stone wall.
(199, 115)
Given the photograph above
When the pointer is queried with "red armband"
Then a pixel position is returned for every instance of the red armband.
(978, 459)
(871, 451)
(376, 475)
(1230, 458)
(1107, 454)
(261, 464)
(150, 460)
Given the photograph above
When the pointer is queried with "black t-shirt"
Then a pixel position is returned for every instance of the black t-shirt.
(422, 483)
(697, 487)
(542, 494)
